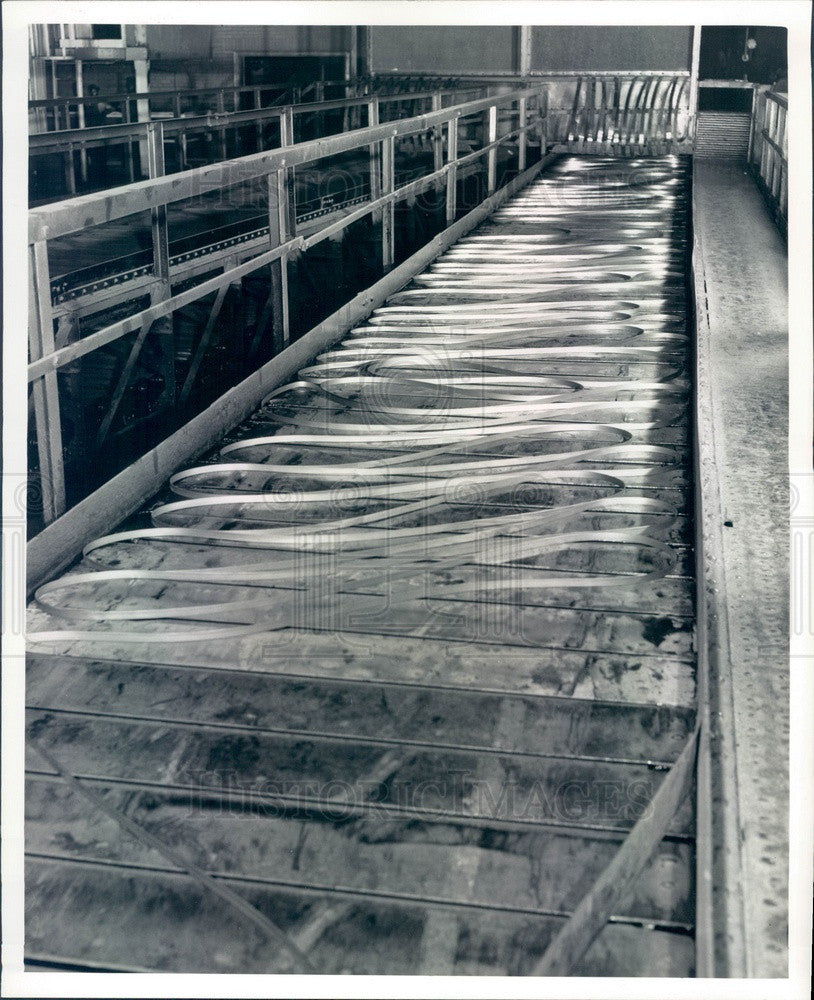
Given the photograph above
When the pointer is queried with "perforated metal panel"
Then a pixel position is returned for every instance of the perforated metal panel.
(722, 134)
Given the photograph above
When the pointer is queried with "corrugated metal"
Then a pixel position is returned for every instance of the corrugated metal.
(720, 133)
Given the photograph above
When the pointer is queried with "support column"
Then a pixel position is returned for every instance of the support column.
(162, 331)
(542, 114)
(696, 60)
(375, 157)
(452, 173)
(281, 228)
(158, 215)
(491, 159)
(437, 141)
(45, 390)
(389, 210)
(524, 55)
(80, 112)
(353, 60)
(365, 68)
(142, 72)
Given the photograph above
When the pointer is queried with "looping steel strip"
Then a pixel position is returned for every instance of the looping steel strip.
(496, 344)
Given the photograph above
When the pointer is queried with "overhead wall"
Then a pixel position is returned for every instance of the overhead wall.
(490, 49)
(424, 48)
(196, 56)
(167, 41)
(440, 48)
(611, 47)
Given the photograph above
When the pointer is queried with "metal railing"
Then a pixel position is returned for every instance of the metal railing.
(647, 110)
(66, 113)
(217, 126)
(275, 170)
(768, 153)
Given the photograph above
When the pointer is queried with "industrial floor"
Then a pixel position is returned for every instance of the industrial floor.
(743, 350)
(392, 677)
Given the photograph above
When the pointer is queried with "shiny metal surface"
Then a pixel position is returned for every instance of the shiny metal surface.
(495, 464)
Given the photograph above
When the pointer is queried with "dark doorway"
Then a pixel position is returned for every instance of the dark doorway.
(756, 54)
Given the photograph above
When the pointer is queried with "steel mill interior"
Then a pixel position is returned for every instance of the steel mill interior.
(407, 500)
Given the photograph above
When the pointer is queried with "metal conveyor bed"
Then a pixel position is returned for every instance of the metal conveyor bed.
(387, 683)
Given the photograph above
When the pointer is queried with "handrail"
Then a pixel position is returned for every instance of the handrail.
(154, 195)
(532, 77)
(728, 84)
(69, 141)
(136, 130)
(75, 214)
(781, 99)
(359, 88)
(632, 110)
(768, 154)
(146, 95)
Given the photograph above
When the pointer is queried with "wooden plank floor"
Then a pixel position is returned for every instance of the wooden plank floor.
(382, 685)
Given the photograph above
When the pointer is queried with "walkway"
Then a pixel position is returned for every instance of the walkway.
(743, 352)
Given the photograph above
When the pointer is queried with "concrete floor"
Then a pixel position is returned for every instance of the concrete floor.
(743, 393)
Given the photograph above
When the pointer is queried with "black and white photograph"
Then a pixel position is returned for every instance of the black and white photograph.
(408, 505)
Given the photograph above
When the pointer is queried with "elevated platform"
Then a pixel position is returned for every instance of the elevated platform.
(741, 269)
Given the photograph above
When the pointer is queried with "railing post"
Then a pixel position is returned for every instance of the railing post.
(437, 141)
(389, 210)
(452, 172)
(45, 389)
(287, 139)
(281, 229)
(221, 106)
(757, 131)
(375, 158)
(542, 117)
(80, 121)
(753, 111)
(278, 225)
(521, 139)
(70, 170)
(158, 215)
(491, 137)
